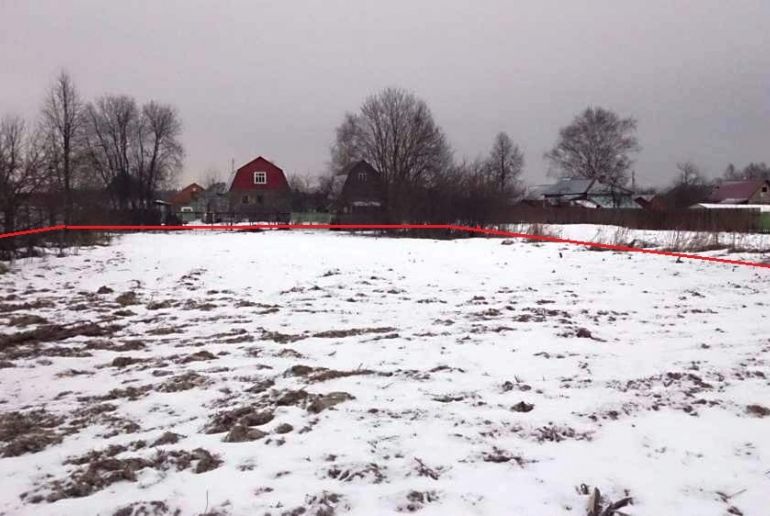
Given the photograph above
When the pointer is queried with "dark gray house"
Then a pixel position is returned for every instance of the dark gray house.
(363, 196)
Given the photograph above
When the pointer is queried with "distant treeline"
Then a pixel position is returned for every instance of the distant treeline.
(106, 159)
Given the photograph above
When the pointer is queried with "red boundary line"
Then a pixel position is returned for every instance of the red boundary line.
(450, 227)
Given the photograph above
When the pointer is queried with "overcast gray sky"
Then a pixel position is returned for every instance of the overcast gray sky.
(275, 78)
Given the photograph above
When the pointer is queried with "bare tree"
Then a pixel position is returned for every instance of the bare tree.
(347, 148)
(158, 151)
(689, 174)
(750, 171)
(690, 187)
(596, 145)
(395, 132)
(135, 151)
(22, 169)
(756, 171)
(505, 164)
(731, 173)
(301, 183)
(210, 177)
(62, 122)
(112, 124)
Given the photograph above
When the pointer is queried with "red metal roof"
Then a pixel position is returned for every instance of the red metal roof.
(187, 194)
(244, 177)
(736, 190)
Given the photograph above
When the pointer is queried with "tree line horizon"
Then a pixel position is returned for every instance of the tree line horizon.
(130, 151)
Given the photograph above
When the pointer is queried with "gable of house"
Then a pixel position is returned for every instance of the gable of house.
(259, 174)
(186, 195)
(363, 186)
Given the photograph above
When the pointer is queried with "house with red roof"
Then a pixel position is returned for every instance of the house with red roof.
(752, 191)
(183, 203)
(259, 192)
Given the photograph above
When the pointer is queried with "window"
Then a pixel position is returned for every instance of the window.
(362, 177)
(259, 199)
(245, 199)
(260, 178)
(764, 189)
(186, 209)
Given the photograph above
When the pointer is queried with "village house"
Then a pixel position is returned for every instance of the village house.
(754, 191)
(362, 197)
(259, 191)
(184, 202)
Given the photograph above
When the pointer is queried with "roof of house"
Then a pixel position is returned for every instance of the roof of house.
(259, 158)
(763, 208)
(187, 194)
(361, 166)
(578, 187)
(568, 187)
(734, 192)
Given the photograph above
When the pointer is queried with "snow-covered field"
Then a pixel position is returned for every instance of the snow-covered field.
(327, 373)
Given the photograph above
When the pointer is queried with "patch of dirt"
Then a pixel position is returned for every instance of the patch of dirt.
(242, 416)
(370, 472)
(34, 305)
(152, 508)
(163, 330)
(56, 332)
(758, 410)
(127, 299)
(292, 398)
(281, 338)
(191, 304)
(289, 353)
(541, 315)
(323, 504)
(28, 432)
(261, 386)
(338, 334)
(423, 470)
(197, 357)
(519, 386)
(556, 433)
(106, 345)
(498, 455)
(159, 305)
(241, 433)
(322, 374)
(283, 428)
(321, 402)
(121, 362)
(417, 500)
(101, 469)
(130, 393)
(26, 320)
(167, 438)
(183, 382)
(523, 406)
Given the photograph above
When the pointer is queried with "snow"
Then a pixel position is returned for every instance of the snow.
(653, 406)
(682, 241)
